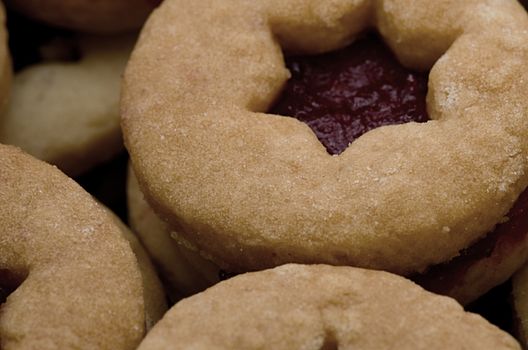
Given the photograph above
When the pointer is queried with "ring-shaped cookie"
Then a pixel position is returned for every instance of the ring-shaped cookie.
(322, 307)
(254, 190)
(91, 16)
(76, 281)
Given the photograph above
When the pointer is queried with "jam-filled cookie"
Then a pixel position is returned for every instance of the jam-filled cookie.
(252, 189)
(185, 272)
(68, 278)
(66, 113)
(322, 307)
(91, 16)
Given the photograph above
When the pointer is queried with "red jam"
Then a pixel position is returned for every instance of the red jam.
(494, 247)
(343, 94)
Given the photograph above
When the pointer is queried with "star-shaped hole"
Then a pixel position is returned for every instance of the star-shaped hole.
(343, 94)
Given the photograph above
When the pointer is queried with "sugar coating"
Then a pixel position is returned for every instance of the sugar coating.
(322, 307)
(253, 190)
(91, 16)
(82, 287)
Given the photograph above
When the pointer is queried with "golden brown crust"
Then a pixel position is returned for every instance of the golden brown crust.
(91, 16)
(67, 114)
(256, 190)
(322, 307)
(184, 271)
(81, 285)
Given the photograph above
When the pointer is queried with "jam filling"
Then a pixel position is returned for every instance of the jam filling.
(495, 246)
(343, 94)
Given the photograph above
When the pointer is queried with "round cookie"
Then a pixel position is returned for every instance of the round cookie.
(67, 113)
(322, 307)
(253, 190)
(184, 271)
(72, 279)
(91, 16)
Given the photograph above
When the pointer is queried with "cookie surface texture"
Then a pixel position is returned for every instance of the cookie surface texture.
(91, 16)
(74, 279)
(322, 307)
(185, 272)
(153, 292)
(66, 113)
(255, 190)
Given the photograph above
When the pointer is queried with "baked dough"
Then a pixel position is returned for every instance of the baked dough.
(79, 285)
(253, 190)
(91, 16)
(322, 307)
(184, 271)
(67, 114)
(153, 292)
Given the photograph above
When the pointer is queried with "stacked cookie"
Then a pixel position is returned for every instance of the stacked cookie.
(227, 112)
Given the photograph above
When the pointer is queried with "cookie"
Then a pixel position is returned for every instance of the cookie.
(322, 307)
(69, 277)
(254, 190)
(66, 113)
(184, 271)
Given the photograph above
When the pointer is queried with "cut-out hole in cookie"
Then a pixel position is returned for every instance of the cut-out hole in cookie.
(343, 94)
(9, 282)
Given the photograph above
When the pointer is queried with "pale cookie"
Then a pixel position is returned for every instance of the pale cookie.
(74, 280)
(253, 190)
(153, 293)
(67, 113)
(322, 307)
